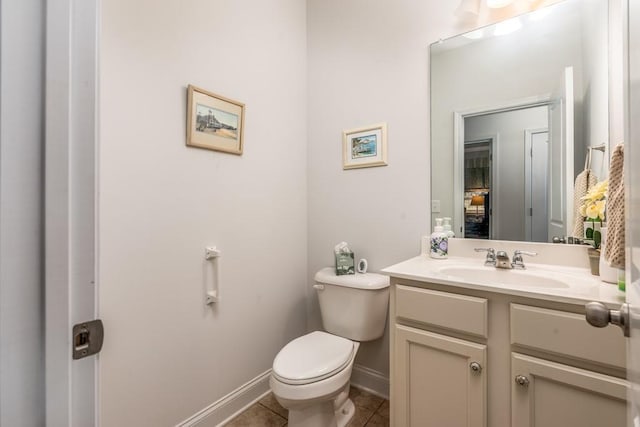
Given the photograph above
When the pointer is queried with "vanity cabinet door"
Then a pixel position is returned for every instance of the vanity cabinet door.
(549, 394)
(439, 380)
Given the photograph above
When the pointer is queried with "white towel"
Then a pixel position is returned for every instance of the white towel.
(584, 181)
(614, 247)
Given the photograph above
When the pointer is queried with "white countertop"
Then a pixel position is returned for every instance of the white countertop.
(581, 287)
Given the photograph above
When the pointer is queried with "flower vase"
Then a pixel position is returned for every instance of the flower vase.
(594, 261)
(607, 274)
(590, 227)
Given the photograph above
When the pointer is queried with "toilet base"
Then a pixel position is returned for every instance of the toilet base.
(335, 412)
(322, 414)
(345, 413)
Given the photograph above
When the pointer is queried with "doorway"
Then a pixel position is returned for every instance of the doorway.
(513, 200)
(478, 157)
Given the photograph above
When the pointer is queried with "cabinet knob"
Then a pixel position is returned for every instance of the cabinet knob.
(521, 380)
(476, 368)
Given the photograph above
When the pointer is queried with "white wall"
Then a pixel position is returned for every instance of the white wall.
(166, 355)
(21, 261)
(595, 98)
(368, 63)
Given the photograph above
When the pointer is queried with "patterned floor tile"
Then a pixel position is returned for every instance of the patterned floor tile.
(371, 411)
(270, 402)
(258, 416)
(365, 399)
(383, 410)
(377, 421)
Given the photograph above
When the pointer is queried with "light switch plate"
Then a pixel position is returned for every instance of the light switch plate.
(435, 206)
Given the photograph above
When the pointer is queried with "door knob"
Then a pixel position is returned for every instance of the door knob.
(476, 368)
(600, 316)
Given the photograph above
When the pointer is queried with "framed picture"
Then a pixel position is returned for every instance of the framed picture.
(365, 147)
(214, 122)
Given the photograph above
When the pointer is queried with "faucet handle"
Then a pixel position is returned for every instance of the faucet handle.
(491, 255)
(517, 261)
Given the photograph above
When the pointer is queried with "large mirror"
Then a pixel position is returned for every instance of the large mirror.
(518, 109)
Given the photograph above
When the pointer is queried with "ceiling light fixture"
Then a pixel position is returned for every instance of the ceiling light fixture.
(497, 4)
(470, 8)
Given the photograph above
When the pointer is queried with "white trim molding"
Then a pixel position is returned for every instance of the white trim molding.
(228, 407)
(370, 380)
(71, 110)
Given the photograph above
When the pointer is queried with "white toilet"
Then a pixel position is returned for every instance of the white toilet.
(310, 375)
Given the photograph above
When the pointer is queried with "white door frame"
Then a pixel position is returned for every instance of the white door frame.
(458, 147)
(631, 12)
(70, 206)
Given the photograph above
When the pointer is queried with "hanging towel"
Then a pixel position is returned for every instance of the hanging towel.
(584, 181)
(614, 248)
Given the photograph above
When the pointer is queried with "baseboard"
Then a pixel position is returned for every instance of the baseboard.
(223, 410)
(228, 407)
(370, 380)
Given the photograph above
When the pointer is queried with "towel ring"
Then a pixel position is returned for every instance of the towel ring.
(587, 160)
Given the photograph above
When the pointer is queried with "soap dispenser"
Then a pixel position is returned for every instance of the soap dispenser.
(447, 228)
(439, 247)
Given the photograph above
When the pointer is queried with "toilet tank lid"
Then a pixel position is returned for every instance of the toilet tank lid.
(359, 280)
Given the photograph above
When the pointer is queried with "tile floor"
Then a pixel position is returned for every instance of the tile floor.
(371, 411)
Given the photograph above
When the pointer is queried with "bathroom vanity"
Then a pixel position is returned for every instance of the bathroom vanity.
(475, 346)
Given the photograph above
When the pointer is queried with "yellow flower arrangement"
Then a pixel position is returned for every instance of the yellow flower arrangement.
(593, 207)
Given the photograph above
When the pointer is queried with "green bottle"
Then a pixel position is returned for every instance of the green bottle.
(621, 280)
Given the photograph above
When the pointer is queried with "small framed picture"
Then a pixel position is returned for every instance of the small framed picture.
(365, 147)
(214, 122)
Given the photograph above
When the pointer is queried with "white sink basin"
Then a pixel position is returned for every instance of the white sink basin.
(501, 276)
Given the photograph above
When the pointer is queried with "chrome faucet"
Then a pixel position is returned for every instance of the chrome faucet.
(502, 260)
(517, 261)
(490, 260)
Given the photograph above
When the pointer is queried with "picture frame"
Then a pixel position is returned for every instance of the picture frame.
(214, 122)
(365, 147)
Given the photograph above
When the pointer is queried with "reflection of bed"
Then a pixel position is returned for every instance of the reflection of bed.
(476, 227)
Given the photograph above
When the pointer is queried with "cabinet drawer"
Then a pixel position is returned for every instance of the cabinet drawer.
(452, 311)
(566, 334)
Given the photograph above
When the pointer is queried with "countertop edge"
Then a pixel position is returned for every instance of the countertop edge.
(608, 293)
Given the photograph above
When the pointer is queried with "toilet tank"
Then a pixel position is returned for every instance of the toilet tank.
(353, 306)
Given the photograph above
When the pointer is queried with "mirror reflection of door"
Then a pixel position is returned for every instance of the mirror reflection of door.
(477, 188)
(519, 163)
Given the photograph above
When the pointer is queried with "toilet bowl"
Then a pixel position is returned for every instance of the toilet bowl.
(310, 378)
(311, 374)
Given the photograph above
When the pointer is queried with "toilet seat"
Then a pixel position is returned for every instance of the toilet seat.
(312, 357)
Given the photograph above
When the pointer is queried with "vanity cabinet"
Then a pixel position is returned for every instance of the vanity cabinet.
(440, 380)
(548, 394)
(467, 357)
